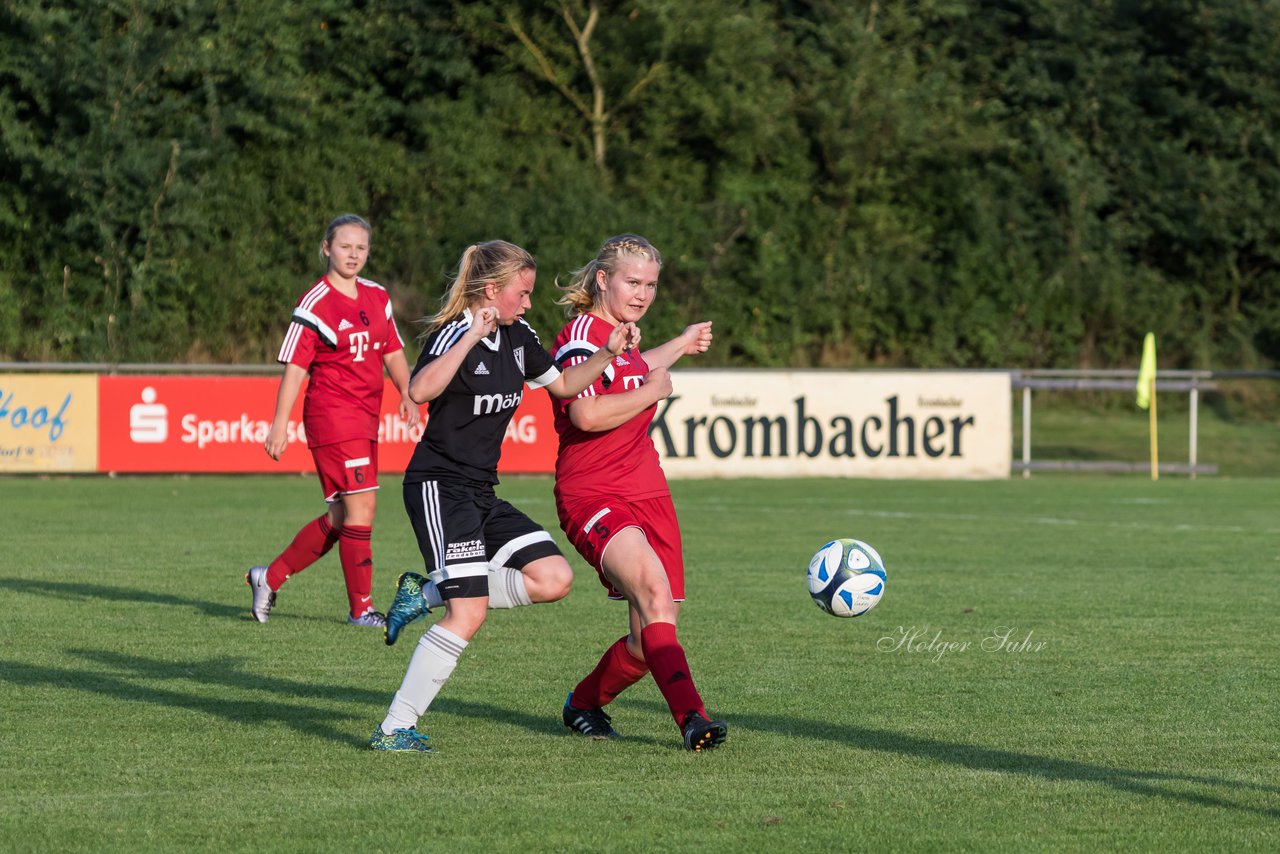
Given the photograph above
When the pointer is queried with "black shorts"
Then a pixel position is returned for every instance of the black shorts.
(464, 529)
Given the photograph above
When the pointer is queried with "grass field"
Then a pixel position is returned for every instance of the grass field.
(1132, 706)
(1241, 441)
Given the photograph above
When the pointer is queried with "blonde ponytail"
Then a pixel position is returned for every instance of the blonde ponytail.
(495, 261)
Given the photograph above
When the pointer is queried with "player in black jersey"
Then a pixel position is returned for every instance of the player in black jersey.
(479, 551)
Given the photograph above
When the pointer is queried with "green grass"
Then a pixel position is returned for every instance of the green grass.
(1239, 443)
(144, 710)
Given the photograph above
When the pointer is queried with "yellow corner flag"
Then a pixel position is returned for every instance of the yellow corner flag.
(1147, 396)
(1147, 371)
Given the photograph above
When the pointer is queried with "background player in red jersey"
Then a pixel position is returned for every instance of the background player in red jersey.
(341, 335)
(632, 538)
(477, 357)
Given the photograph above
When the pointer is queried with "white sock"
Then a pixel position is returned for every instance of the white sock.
(506, 588)
(433, 660)
(431, 593)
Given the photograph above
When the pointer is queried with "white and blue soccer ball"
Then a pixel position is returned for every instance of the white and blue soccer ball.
(846, 578)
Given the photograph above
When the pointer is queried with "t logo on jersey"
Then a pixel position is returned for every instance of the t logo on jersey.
(359, 344)
(519, 354)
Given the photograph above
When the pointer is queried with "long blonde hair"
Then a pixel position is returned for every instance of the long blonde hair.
(495, 261)
(582, 292)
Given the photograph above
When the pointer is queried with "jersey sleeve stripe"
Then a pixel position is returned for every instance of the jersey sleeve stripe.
(290, 343)
(531, 329)
(574, 351)
(395, 331)
(309, 320)
(313, 296)
(449, 336)
(582, 327)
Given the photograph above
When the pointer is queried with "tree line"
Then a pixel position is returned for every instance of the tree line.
(938, 183)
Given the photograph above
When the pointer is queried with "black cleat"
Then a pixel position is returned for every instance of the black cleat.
(593, 723)
(701, 734)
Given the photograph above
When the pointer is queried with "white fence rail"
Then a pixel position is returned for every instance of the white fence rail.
(1191, 382)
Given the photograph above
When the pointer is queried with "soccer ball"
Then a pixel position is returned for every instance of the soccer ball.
(846, 578)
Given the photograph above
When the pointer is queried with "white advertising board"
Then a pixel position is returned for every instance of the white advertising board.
(922, 424)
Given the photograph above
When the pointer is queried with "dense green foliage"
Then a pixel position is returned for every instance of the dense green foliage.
(964, 183)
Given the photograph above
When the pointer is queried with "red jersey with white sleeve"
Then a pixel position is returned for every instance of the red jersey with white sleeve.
(607, 462)
(341, 343)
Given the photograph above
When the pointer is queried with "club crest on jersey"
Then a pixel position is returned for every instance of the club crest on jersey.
(345, 324)
(518, 352)
(481, 370)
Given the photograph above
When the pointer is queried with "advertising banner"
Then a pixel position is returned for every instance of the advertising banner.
(219, 424)
(835, 424)
(717, 423)
(48, 423)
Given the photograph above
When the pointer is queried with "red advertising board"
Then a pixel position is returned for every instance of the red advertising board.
(219, 424)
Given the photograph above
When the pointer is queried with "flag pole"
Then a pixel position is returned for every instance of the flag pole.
(1155, 454)
(1147, 395)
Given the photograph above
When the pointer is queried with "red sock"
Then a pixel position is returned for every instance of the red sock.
(356, 548)
(670, 670)
(618, 669)
(311, 543)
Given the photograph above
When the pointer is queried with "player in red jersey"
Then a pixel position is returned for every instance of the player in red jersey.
(611, 493)
(341, 335)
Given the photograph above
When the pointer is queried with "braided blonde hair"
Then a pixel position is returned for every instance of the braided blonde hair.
(582, 292)
(495, 261)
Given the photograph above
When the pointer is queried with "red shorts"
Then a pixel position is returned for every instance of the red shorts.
(347, 467)
(591, 523)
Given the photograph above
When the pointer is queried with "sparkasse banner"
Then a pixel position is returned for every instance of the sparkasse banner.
(219, 424)
(835, 424)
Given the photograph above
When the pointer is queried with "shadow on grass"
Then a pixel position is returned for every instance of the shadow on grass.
(78, 590)
(542, 724)
(135, 679)
(230, 673)
(305, 719)
(978, 758)
(315, 721)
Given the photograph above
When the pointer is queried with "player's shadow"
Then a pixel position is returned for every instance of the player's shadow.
(135, 679)
(978, 758)
(538, 724)
(83, 591)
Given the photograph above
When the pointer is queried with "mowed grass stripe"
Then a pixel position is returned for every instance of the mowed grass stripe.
(144, 709)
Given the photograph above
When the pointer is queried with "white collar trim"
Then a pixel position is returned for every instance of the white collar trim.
(492, 344)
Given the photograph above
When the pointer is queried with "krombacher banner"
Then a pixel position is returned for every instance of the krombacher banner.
(922, 424)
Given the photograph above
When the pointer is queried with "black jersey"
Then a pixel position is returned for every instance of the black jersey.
(467, 422)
